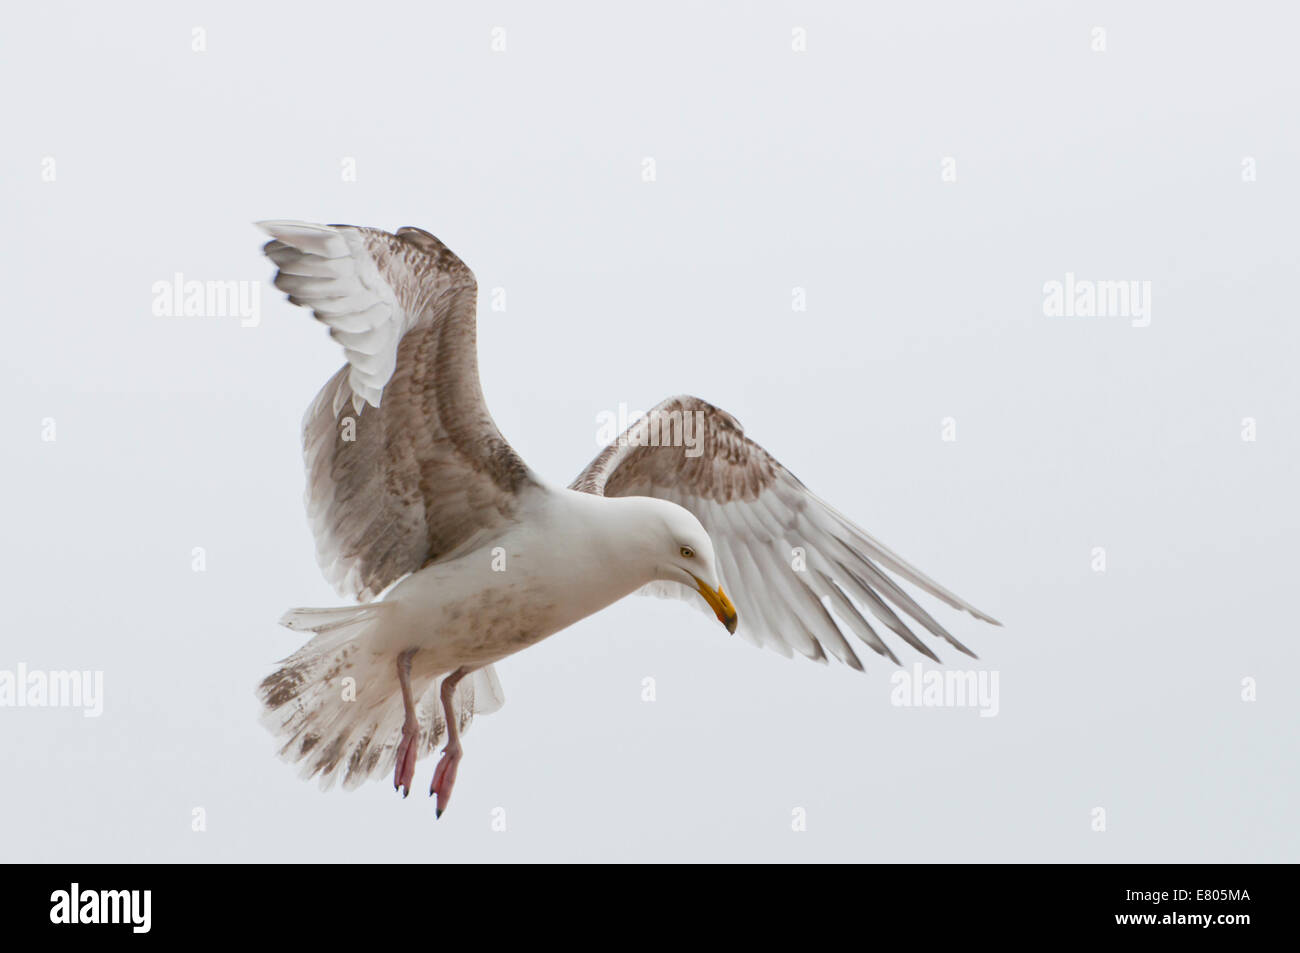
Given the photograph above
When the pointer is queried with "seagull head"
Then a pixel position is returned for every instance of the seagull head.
(682, 552)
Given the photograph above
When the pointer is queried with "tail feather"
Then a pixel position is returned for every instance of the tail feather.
(336, 704)
(323, 620)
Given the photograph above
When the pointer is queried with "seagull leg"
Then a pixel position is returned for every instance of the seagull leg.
(444, 776)
(408, 748)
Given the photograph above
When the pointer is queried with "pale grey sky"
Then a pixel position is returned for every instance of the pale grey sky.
(774, 170)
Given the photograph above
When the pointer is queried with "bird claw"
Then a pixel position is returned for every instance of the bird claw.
(444, 777)
(404, 771)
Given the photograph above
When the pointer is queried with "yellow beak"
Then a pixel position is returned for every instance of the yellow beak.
(720, 605)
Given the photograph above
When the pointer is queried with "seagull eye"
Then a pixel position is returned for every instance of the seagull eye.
(687, 552)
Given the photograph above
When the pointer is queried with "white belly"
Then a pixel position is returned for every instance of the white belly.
(493, 602)
(556, 565)
(461, 613)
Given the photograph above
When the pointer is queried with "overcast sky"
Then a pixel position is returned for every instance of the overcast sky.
(914, 176)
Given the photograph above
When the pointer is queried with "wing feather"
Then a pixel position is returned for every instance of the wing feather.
(424, 470)
(801, 574)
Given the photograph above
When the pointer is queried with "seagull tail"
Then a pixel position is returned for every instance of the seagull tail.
(324, 698)
(336, 707)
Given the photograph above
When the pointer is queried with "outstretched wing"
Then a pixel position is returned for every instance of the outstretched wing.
(404, 462)
(799, 573)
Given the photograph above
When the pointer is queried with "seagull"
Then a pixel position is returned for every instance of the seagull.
(458, 554)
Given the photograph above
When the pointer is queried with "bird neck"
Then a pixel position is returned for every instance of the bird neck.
(613, 534)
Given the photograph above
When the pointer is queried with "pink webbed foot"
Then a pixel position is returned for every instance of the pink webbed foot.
(404, 772)
(444, 776)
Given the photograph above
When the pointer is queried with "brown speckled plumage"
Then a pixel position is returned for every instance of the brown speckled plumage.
(427, 468)
(410, 485)
(760, 518)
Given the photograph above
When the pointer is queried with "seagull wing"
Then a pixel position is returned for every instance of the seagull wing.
(404, 462)
(800, 573)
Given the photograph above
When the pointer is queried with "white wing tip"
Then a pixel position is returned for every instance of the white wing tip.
(324, 240)
(290, 620)
(274, 225)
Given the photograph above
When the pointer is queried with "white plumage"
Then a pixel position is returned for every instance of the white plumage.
(461, 555)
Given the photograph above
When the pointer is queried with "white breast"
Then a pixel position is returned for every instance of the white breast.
(559, 563)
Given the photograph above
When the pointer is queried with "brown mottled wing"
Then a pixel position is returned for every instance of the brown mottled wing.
(404, 462)
(799, 573)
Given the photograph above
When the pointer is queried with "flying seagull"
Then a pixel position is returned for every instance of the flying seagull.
(460, 554)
